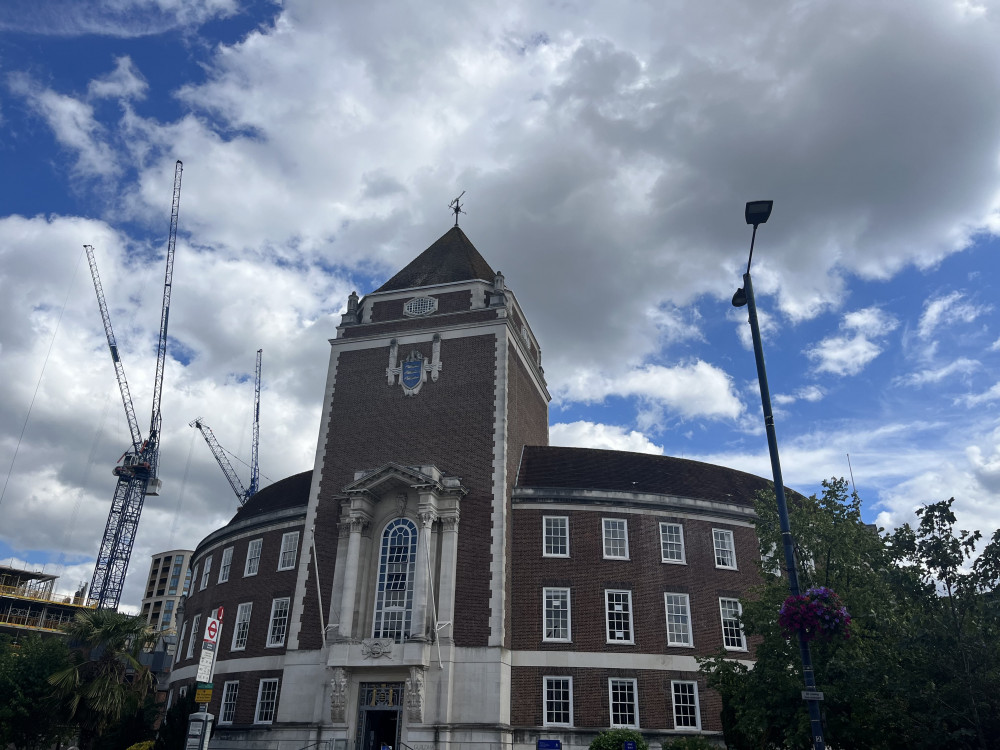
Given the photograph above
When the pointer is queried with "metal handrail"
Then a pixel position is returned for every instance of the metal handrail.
(40, 596)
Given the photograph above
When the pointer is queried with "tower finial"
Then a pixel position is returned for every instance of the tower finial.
(456, 207)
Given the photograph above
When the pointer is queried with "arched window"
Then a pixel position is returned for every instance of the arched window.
(394, 593)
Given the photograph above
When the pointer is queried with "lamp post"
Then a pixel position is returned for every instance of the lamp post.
(757, 212)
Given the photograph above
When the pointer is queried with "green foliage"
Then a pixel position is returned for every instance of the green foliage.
(30, 716)
(922, 666)
(105, 685)
(614, 739)
(173, 730)
(694, 742)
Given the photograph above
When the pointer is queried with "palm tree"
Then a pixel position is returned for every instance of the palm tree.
(105, 682)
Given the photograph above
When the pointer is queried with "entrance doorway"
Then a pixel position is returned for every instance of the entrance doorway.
(381, 730)
(380, 707)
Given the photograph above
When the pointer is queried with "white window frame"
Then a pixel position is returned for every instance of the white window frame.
(194, 635)
(241, 627)
(182, 691)
(611, 702)
(545, 615)
(226, 565)
(742, 646)
(545, 700)
(397, 561)
(275, 603)
(194, 576)
(289, 545)
(673, 705)
(720, 535)
(608, 594)
(260, 694)
(605, 528)
(663, 542)
(687, 616)
(180, 643)
(253, 559)
(230, 694)
(546, 535)
(206, 573)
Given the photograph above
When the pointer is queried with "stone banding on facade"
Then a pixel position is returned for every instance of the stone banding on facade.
(575, 594)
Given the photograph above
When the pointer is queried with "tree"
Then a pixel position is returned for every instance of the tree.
(920, 669)
(173, 730)
(104, 683)
(614, 739)
(29, 714)
(958, 624)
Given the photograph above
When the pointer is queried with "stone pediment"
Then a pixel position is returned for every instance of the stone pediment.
(393, 477)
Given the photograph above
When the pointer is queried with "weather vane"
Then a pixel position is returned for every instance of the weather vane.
(456, 207)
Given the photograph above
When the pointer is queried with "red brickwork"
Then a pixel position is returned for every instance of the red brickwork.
(261, 589)
(448, 302)
(527, 424)
(591, 703)
(327, 540)
(431, 322)
(588, 575)
(449, 424)
(246, 698)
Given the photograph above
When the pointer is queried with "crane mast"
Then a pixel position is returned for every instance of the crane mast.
(254, 468)
(220, 456)
(133, 423)
(137, 471)
(242, 493)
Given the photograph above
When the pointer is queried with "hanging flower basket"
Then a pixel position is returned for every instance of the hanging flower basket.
(818, 613)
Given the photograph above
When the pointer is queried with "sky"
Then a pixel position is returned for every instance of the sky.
(606, 151)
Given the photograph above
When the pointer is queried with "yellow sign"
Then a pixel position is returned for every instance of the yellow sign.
(202, 695)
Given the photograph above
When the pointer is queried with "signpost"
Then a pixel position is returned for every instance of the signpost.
(200, 724)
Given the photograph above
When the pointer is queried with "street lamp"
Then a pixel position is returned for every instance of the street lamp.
(757, 212)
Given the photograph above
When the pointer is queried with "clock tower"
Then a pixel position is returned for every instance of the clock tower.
(434, 387)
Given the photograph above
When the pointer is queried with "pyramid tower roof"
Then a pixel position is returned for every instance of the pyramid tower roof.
(451, 258)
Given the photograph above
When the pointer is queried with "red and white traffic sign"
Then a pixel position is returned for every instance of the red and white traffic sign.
(212, 628)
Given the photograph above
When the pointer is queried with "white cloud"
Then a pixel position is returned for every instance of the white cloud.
(606, 156)
(112, 18)
(947, 310)
(975, 399)
(810, 393)
(693, 390)
(962, 365)
(609, 437)
(849, 354)
(73, 124)
(766, 322)
(124, 82)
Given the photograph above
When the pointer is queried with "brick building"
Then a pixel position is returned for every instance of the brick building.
(442, 578)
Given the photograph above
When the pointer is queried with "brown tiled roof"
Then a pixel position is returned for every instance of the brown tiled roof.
(290, 492)
(544, 467)
(452, 258)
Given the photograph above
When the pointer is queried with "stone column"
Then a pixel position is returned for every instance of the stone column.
(421, 599)
(449, 561)
(358, 523)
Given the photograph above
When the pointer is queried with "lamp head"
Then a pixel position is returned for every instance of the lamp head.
(757, 212)
(740, 298)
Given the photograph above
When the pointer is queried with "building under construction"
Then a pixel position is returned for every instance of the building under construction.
(29, 602)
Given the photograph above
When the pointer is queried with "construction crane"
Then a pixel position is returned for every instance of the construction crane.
(137, 470)
(242, 493)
